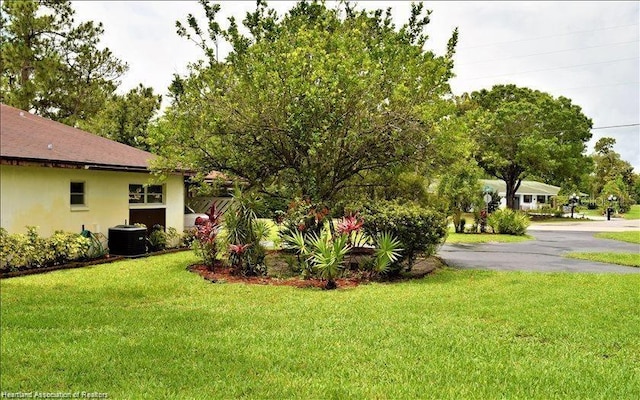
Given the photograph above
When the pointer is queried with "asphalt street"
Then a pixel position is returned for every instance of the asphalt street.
(545, 253)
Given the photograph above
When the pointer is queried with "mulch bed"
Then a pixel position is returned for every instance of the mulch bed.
(223, 274)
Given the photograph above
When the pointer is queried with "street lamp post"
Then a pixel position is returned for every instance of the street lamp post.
(573, 199)
(611, 199)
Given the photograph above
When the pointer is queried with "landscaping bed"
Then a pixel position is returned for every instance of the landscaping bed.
(280, 275)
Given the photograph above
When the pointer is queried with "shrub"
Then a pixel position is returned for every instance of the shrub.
(174, 238)
(67, 247)
(158, 238)
(303, 216)
(420, 230)
(30, 250)
(508, 222)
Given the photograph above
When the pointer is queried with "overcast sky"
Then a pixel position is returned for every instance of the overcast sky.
(586, 51)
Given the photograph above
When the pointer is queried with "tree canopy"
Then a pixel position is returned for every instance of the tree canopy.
(308, 103)
(52, 66)
(521, 132)
(126, 118)
(611, 174)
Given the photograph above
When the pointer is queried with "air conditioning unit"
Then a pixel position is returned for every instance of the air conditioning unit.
(127, 240)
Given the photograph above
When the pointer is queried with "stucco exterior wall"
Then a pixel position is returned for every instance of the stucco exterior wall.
(40, 196)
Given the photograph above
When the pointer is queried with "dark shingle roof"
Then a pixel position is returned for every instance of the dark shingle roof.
(28, 137)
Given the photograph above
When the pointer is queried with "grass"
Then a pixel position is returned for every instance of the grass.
(627, 259)
(633, 213)
(148, 329)
(626, 236)
(485, 238)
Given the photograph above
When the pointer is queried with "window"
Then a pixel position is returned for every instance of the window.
(141, 194)
(527, 198)
(76, 193)
(541, 199)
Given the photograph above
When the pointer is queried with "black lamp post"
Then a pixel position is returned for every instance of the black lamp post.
(611, 199)
(573, 199)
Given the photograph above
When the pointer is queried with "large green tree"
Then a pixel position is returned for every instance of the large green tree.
(308, 103)
(610, 169)
(51, 65)
(126, 118)
(520, 132)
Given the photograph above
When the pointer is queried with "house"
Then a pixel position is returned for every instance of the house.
(531, 195)
(61, 178)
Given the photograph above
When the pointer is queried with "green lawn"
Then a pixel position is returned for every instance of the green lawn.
(485, 238)
(149, 329)
(633, 213)
(627, 236)
(628, 259)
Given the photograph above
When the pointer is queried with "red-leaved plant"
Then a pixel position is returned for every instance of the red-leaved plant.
(349, 224)
(206, 235)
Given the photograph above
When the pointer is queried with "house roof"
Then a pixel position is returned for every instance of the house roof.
(526, 187)
(31, 138)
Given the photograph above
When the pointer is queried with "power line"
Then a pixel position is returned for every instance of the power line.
(547, 36)
(597, 86)
(615, 126)
(550, 69)
(549, 52)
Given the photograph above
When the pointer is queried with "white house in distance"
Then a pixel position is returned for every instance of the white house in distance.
(61, 178)
(531, 195)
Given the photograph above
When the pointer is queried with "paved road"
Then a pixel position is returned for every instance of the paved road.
(544, 254)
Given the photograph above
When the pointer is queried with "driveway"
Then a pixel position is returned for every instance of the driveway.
(544, 254)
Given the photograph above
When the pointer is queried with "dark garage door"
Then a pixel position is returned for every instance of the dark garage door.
(148, 216)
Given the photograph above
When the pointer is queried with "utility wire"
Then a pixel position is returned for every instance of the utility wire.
(549, 69)
(549, 52)
(615, 126)
(547, 36)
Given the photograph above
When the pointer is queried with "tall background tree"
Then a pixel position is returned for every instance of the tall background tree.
(126, 118)
(612, 175)
(311, 103)
(520, 132)
(51, 65)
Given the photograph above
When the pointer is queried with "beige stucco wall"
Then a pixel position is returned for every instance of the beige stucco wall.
(40, 196)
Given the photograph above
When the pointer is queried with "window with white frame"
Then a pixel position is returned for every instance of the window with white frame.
(146, 194)
(526, 198)
(541, 199)
(77, 194)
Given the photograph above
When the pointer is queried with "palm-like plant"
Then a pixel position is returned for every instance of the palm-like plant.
(327, 256)
(387, 252)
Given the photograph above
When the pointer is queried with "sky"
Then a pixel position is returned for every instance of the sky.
(585, 51)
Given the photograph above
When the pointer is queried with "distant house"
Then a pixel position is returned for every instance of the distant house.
(62, 178)
(531, 195)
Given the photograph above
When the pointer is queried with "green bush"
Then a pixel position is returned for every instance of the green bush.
(509, 222)
(30, 250)
(67, 247)
(420, 230)
(158, 240)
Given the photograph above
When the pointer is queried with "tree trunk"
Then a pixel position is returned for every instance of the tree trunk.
(513, 184)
